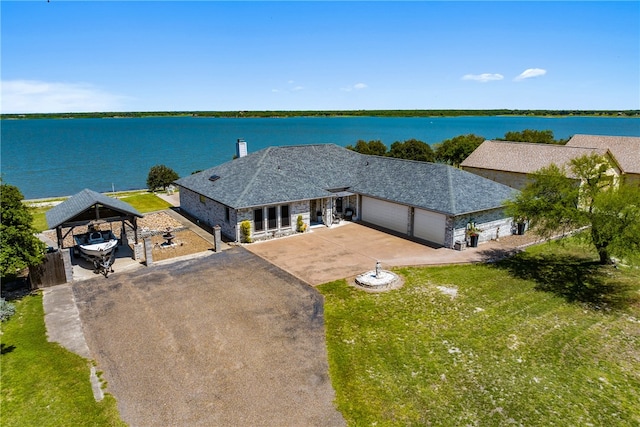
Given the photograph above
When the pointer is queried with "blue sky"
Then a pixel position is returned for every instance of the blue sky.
(209, 55)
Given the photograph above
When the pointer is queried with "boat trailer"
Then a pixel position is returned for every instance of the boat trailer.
(102, 264)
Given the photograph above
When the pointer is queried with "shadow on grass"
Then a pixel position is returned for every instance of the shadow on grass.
(574, 278)
(4, 349)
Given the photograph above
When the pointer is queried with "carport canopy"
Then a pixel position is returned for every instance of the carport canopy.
(89, 206)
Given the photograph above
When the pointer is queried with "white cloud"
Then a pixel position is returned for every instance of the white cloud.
(33, 96)
(530, 73)
(289, 88)
(483, 78)
(357, 86)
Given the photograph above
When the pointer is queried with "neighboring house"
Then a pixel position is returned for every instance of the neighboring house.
(272, 187)
(510, 163)
(625, 150)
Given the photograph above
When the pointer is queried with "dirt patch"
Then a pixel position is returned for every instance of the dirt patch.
(186, 242)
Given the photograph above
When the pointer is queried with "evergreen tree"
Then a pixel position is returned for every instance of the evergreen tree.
(453, 151)
(160, 176)
(19, 247)
(376, 148)
(412, 149)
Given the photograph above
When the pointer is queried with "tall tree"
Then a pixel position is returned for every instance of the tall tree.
(412, 149)
(19, 247)
(374, 147)
(584, 196)
(453, 151)
(160, 176)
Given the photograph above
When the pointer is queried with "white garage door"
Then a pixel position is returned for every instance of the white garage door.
(385, 214)
(429, 226)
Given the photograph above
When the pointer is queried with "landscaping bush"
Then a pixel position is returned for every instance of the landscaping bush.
(6, 310)
(300, 225)
(245, 231)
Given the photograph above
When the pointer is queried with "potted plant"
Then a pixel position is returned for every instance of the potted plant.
(472, 233)
(521, 224)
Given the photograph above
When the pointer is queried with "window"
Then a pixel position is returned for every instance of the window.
(273, 219)
(258, 224)
(285, 219)
(202, 199)
(226, 213)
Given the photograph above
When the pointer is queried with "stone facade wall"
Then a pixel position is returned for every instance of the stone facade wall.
(449, 233)
(350, 202)
(295, 209)
(208, 211)
(493, 224)
(213, 213)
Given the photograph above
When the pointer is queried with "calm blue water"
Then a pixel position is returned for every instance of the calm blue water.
(55, 157)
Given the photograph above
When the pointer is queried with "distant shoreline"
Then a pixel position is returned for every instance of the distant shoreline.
(330, 113)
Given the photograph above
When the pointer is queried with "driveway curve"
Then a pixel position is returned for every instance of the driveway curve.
(223, 340)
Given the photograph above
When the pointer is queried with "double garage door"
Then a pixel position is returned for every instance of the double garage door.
(427, 225)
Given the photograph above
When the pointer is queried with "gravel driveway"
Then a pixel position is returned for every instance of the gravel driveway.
(227, 339)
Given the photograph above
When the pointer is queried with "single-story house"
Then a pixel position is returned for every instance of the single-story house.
(510, 163)
(624, 149)
(272, 187)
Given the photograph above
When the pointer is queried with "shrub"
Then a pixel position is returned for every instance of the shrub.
(245, 231)
(6, 310)
(300, 225)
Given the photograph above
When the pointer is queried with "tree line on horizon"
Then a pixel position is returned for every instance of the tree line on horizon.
(325, 113)
(450, 151)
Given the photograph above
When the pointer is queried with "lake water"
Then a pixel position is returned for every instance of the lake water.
(56, 157)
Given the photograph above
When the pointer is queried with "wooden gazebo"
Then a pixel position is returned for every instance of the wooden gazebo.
(90, 207)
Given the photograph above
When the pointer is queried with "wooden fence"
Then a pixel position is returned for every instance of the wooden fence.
(49, 273)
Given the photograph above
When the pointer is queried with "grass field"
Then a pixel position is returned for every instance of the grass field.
(42, 383)
(545, 338)
(142, 201)
(146, 202)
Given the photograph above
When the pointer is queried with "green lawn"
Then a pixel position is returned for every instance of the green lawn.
(143, 202)
(520, 343)
(146, 202)
(42, 383)
(39, 218)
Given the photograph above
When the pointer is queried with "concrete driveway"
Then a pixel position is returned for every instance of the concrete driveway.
(222, 340)
(327, 254)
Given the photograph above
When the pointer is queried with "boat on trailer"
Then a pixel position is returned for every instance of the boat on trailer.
(98, 247)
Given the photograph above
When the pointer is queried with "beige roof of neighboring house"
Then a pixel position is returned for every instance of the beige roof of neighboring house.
(625, 149)
(523, 157)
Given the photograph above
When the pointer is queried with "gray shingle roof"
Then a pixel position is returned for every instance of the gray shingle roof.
(283, 174)
(82, 201)
(431, 186)
(523, 157)
(625, 149)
